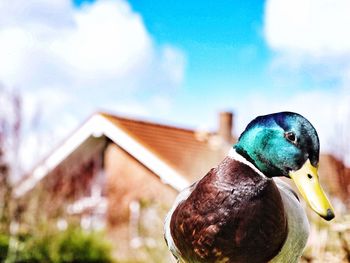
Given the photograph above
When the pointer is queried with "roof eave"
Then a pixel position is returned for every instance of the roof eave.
(98, 126)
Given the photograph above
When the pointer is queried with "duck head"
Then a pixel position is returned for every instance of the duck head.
(286, 144)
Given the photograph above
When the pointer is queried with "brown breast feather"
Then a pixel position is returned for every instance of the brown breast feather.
(233, 215)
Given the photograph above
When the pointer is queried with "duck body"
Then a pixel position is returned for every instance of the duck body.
(230, 216)
(240, 212)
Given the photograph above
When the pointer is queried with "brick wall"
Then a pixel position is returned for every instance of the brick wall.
(128, 180)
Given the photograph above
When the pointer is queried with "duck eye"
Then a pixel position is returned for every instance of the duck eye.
(291, 137)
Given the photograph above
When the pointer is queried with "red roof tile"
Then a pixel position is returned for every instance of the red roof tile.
(182, 149)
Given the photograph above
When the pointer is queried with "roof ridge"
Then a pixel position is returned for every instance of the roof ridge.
(148, 122)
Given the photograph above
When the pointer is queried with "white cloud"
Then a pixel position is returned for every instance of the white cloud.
(108, 39)
(311, 40)
(101, 43)
(317, 27)
(69, 62)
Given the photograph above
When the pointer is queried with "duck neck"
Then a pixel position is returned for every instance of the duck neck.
(233, 154)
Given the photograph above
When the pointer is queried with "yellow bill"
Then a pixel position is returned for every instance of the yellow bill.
(306, 180)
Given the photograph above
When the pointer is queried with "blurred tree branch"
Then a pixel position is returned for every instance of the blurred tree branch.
(10, 127)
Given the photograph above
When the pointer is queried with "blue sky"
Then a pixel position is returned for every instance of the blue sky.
(223, 45)
(177, 62)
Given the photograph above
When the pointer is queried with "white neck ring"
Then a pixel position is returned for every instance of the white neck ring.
(236, 156)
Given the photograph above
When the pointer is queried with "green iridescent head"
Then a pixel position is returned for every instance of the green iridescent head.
(279, 143)
(286, 144)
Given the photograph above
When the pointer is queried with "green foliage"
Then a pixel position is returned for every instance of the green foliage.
(36, 249)
(76, 246)
(70, 246)
(4, 244)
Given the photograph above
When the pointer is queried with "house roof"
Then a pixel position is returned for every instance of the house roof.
(177, 155)
(185, 150)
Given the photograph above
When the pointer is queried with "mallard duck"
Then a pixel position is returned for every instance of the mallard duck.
(240, 211)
